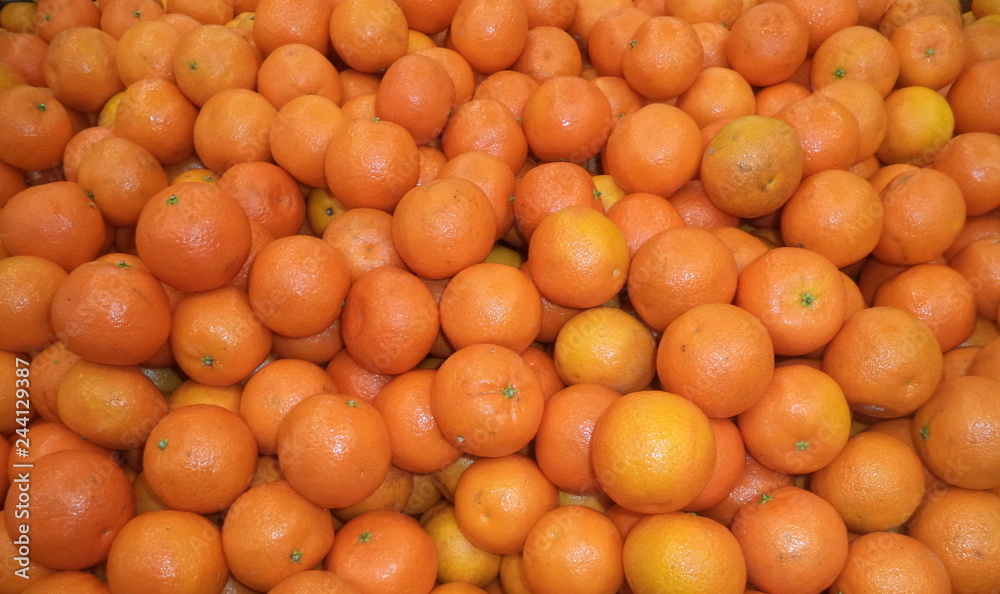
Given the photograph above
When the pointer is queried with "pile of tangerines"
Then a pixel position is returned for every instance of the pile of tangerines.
(507, 296)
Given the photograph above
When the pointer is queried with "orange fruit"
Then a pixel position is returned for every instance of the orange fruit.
(931, 51)
(890, 562)
(947, 432)
(156, 114)
(760, 56)
(153, 544)
(610, 36)
(821, 423)
(554, 13)
(489, 34)
(696, 208)
(825, 18)
(835, 213)
(660, 286)
(80, 500)
(717, 94)
(955, 524)
(498, 500)
(51, 18)
(792, 541)
(656, 149)
(771, 98)
(415, 439)
(291, 299)
(607, 346)
(217, 13)
(573, 548)
(87, 313)
(80, 68)
(562, 444)
(371, 163)
(663, 58)
(29, 286)
(906, 143)
(911, 362)
(417, 93)
(301, 134)
(354, 380)
(509, 88)
(856, 52)
(693, 345)
(641, 215)
(363, 237)
(549, 187)
(752, 166)
(121, 176)
(129, 402)
(487, 401)
(428, 16)
(274, 390)
(200, 458)
(328, 436)
(866, 103)
(556, 134)
(14, 179)
(384, 551)
(984, 363)
(871, 471)
(578, 257)
(82, 582)
(365, 44)
(272, 532)
(827, 130)
(315, 581)
(48, 367)
(549, 52)
(974, 261)
(485, 125)
(193, 236)
(296, 69)
(730, 463)
(140, 52)
(493, 177)
(458, 559)
(970, 160)
(318, 348)
(797, 294)
(390, 320)
(268, 195)
(908, 238)
(678, 551)
(754, 479)
(746, 247)
(117, 16)
(896, 16)
(234, 126)
(216, 338)
(47, 437)
(213, 58)
(192, 392)
(36, 128)
(490, 302)
(938, 295)
(426, 232)
(56, 221)
(622, 97)
(641, 475)
(981, 41)
(278, 22)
